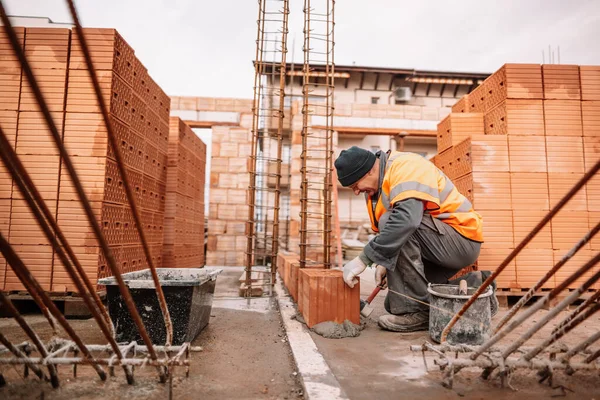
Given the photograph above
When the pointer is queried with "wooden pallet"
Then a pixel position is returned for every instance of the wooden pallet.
(508, 297)
(70, 303)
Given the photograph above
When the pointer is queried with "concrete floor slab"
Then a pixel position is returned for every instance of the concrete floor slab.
(379, 364)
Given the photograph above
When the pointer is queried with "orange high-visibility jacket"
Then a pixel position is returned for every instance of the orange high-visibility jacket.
(408, 175)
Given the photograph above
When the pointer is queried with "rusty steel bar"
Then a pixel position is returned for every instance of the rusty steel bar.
(7, 304)
(555, 310)
(32, 284)
(463, 348)
(582, 346)
(566, 328)
(543, 301)
(255, 147)
(121, 166)
(317, 142)
(588, 175)
(305, 116)
(527, 296)
(33, 196)
(96, 362)
(43, 217)
(77, 183)
(593, 298)
(268, 112)
(492, 362)
(592, 357)
(282, 77)
(10, 347)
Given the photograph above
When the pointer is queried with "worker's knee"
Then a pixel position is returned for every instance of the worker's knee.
(386, 304)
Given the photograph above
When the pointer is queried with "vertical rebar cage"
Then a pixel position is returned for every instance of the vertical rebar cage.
(262, 227)
(317, 133)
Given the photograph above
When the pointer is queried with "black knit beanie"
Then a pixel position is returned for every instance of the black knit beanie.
(353, 164)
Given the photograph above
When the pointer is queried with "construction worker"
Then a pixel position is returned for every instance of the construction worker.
(427, 230)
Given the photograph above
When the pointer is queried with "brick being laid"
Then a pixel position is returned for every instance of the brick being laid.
(325, 297)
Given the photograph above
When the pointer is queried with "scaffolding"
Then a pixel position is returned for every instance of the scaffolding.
(317, 141)
(265, 169)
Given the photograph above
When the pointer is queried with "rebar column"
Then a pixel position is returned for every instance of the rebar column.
(268, 110)
(317, 142)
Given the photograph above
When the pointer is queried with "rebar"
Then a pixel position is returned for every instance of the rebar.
(316, 167)
(268, 113)
(54, 234)
(123, 172)
(543, 301)
(586, 177)
(531, 292)
(32, 285)
(7, 304)
(18, 50)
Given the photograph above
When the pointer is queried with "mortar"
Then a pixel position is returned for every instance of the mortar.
(472, 328)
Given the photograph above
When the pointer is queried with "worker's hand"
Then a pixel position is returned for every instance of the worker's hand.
(352, 269)
(381, 276)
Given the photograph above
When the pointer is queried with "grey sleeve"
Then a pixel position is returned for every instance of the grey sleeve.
(405, 217)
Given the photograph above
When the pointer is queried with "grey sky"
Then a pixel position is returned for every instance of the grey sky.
(205, 48)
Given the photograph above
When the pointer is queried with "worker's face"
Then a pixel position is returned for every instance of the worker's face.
(367, 184)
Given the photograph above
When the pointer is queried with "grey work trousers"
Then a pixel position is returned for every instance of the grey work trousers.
(434, 253)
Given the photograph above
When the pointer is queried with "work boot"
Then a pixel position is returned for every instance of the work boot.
(409, 322)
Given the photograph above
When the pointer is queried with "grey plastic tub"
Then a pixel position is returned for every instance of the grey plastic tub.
(188, 293)
(472, 328)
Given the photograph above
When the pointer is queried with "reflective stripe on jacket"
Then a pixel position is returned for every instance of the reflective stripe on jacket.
(408, 175)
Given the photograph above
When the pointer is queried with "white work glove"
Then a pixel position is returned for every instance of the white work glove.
(352, 269)
(381, 276)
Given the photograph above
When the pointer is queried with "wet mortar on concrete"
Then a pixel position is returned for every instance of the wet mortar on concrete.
(379, 364)
(245, 356)
(333, 330)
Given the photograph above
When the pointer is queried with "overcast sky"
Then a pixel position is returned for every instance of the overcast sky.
(205, 48)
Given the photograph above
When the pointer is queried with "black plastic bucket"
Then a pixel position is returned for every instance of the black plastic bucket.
(188, 293)
(472, 328)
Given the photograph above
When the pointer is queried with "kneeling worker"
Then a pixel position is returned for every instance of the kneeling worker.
(427, 230)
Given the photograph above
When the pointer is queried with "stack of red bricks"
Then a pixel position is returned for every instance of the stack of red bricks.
(539, 134)
(184, 213)
(139, 113)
